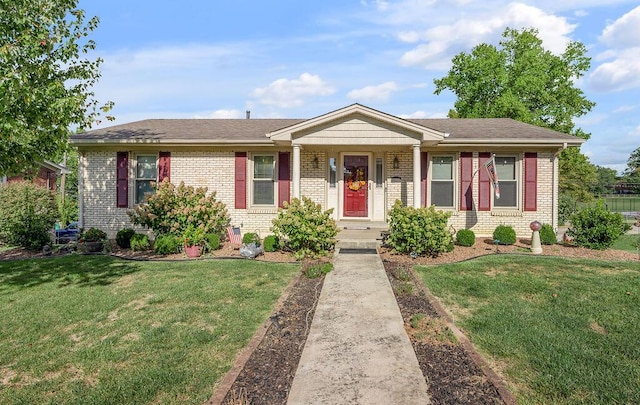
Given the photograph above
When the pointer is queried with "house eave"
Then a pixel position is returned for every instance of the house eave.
(520, 143)
(169, 142)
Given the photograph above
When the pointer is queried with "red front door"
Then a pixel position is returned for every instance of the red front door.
(356, 186)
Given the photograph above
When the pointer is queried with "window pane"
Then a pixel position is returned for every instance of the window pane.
(332, 172)
(508, 194)
(442, 168)
(506, 168)
(263, 192)
(143, 187)
(263, 167)
(379, 172)
(442, 193)
(146, 167)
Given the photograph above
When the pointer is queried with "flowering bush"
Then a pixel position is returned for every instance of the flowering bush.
(302, 227)
(419, 231)
(171, 210)
(596, 228)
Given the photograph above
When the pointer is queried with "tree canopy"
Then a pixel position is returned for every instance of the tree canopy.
(46, 77)
(520, 80)
(523, 81)
(633, 166)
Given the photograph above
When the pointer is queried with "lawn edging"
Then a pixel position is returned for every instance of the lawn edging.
(221, 391)
(496, 380)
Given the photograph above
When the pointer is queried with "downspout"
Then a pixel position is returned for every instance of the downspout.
(556, 192)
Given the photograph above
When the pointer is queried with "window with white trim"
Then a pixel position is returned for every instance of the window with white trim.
(263, 182)
(442, 189)
(507, 171)
(146, 174)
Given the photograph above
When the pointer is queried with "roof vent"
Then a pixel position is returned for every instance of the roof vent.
(248, 114)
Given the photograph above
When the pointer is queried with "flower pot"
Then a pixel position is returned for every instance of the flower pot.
(193, 251)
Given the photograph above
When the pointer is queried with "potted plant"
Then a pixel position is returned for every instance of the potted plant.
(193, 239)
(92, 240)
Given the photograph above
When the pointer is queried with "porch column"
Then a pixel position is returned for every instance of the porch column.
(416, 176)
(296, 172)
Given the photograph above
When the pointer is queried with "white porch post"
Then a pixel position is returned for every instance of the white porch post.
(296, 172)
(416, 176)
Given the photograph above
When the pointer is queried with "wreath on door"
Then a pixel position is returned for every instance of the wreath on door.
(356, 179)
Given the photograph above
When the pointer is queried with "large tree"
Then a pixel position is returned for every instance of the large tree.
(46, 76)
(633, 166)
(522, 80)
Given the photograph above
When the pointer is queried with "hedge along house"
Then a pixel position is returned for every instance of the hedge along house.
(356, 160)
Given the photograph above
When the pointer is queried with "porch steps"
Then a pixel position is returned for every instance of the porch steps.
(360, 235)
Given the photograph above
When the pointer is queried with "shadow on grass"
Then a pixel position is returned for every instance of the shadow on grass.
(71, 270)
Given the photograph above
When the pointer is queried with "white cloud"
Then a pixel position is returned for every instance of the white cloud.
(222, 114)
(624, 32)
(622, 73)
(423, 114)
(380, 92)
(288, 93)
(443, 41)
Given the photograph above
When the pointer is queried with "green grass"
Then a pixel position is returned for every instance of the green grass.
(628, 242)
(562, 331)
(622, 204)
(94, 329)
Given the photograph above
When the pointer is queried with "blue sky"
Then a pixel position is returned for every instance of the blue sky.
(294, 59)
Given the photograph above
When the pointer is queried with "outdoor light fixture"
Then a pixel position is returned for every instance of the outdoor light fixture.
(396, 163)
(315, 163)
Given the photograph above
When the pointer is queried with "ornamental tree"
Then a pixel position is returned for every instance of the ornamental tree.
(46, 77)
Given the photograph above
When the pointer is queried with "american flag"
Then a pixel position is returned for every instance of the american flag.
(490, 165)
(234, 235)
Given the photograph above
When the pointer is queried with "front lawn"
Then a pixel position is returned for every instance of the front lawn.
(627, 242)
(94, 329)
(560, 330)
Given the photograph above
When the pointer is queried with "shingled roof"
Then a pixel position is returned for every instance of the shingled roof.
(244, 131)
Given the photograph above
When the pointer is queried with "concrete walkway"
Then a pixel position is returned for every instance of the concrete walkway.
(357, 351)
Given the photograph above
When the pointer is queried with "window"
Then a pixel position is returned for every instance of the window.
(379, 178)
(263, 179)
(507, 178)
(442, 181)
(146, 172)
(333, 167)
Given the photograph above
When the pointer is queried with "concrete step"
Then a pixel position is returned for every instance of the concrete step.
(351, 238)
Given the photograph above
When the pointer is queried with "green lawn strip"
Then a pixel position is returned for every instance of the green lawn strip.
(628, 242)
(94, 329)
(562, 331)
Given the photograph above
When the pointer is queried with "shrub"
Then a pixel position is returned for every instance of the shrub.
(548, 235)
(419, 231)
(212, 241)
(167, 244)
(93, 235)
(596, 228)
(193, 236)
(302, 227)
(317, 269)
(270, 243)
(567, 205)
(27, 214)
(465, 237)
(251, 237)
(504, 235)
(123, 237)
(140, 242)
(171, 209)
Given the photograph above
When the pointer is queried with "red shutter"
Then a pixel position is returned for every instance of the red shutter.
(241, 180)
(530, 181)
(424, 164)
(466, 181)
(122, 179)
(164, 166)
(484, 183)
(284, 178)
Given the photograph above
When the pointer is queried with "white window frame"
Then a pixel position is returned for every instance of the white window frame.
(274, 179)
(517, 178)
(454, 180)
(136, 179)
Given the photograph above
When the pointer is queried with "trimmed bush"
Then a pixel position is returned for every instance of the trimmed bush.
(547, 235)
(140, 242)
(212, 241)
(171, 209)
(465, 237)
(596, 228)
(504, 235)
(270, 243)
(302, 227)
(123, 237)
(167, 244)
(419, 231)
(27, 215)
(250, 237)
(93, 235)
